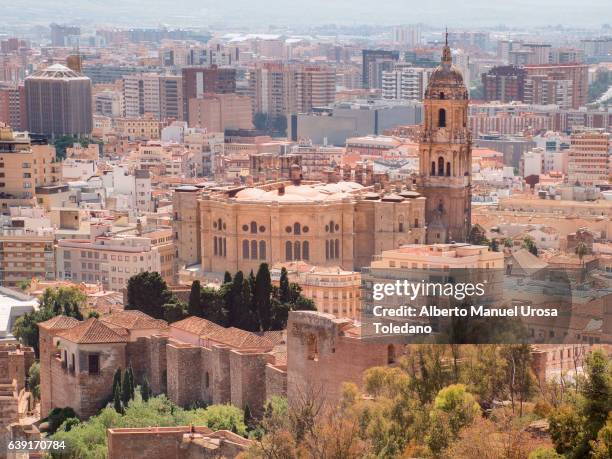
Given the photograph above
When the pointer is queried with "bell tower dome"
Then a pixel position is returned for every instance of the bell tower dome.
(445, 154)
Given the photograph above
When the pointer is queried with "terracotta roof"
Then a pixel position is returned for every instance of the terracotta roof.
(93, 331)
(197, 325)
(277, 337)
(59, 323)
(239, 339)
(133, 320)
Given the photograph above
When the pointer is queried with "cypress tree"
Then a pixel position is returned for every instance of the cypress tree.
(117, 400)
(117, 380)
(227, 278)
(261, 296)
(132, 387)
(195, 299)
(284, 292)
(145, 389)
(125, 388)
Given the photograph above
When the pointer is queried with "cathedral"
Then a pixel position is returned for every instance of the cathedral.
(445, 153)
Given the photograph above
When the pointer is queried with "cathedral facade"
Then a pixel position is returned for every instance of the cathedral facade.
(445, 152)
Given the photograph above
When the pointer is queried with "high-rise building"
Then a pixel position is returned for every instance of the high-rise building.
(374, 62)
(404, 82)
(409, 35)
(58, 102)
(315, 87)
(542, 90)
(589, 157)
(504, 83)
(445, 151)
(170, 97)
(141, 95)
(13, 107)
(200, 80)
(272, 88)
(109, 103)
(60, 34)
(578, 74)
(218, 112)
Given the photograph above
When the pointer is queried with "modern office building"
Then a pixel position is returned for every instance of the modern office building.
(374, 62)
(58, 102)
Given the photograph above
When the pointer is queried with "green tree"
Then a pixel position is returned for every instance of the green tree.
(284, 294)
(602, 446)
(174, 310)
(56, 418)
(262, 297)
(54, 301)
(458, 404)
(508, 243)
(521, 381)
(227, 278)
(494, 245)
(117, 381)
(544, 453)
(195, 305)
(529, 244)
(145, 389)
(117, 404)
(126, 388)
(478, 236)
(34, 380)
(148, 292)
(213, 305)
(566, 429)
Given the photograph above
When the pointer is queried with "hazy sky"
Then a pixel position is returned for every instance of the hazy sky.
(306, 12)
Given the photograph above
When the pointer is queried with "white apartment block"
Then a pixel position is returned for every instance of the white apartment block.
(404, 83)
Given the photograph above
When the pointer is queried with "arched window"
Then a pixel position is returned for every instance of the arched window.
(254, 250)
(253, 228)
(297, 228)
(297, 250)
(225, 247)
(288, 251)
(216, 250)
(448, 169)
(331, 226)
(219, 223)
(313, 351)
(441, 118)
(441, 96)
(262, 250)
(245, 249)
(400, 227)
(337, 249)
(305, 251)
(433, 168)
(441, 166)
(416, 222)
(390, 354)
(327, 250)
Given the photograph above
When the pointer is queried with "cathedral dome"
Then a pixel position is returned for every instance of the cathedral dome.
(446, 81)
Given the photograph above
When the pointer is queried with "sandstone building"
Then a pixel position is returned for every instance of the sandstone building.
(192, 360)
(445, 150)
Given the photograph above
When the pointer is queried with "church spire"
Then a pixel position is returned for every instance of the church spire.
(447, 59)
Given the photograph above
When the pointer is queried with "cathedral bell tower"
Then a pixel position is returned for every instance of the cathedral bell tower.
(445, 154)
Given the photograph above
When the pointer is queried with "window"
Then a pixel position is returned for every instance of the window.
(297, 250)
(216, 249)
(253, 228)
(262, 250)
(297, 228)
(441, 166)
(245, 249)
(305, 251)
(337, 249)
(313, 351)
(288, 251)
(93, 361)
(327, 250)
(441, 118)
(254, 250)
(448, 169)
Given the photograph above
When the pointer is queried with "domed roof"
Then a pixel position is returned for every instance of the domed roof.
(446, 81)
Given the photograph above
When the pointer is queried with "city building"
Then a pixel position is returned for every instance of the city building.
(141, 95)
(589, 158)
(504, 84)
(404, 82)
(197, 81)
(577, 74)
(335, 224)
(13, 106)
(24, 168)
(58, 102)
(374, 62)
(218, 112)
(445, 155)
(315, 87)
(170, 97)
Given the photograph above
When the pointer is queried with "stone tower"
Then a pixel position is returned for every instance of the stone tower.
(445, 152)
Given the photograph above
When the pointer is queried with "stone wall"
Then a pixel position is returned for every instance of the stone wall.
(248, 380)
(276, 381)
(184, 373)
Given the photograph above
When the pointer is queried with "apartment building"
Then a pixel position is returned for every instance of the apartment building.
(26, 253)
(141, 95)
(589, 157)
(404, 82)
(315, 87)
(112, 259)
(578, 74)
(218, 112)
(23, 167)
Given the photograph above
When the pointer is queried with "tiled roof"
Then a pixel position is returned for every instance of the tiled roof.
(197, 326)
(92, 331)
(239, 339)
(133, 320)
(59, 323)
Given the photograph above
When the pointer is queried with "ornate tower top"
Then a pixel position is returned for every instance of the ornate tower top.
(446, 79)
(447, 58)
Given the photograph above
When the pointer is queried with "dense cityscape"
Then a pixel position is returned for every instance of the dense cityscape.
(337, 239)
